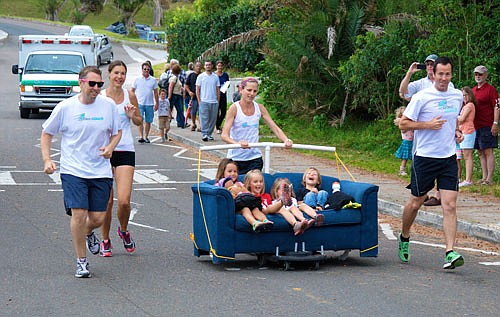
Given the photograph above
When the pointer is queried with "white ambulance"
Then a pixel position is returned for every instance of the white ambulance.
(48, 69)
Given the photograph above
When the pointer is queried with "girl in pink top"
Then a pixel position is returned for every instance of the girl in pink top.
(466, 125)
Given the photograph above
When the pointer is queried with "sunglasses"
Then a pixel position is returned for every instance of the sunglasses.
(146, 69)
(93, 83)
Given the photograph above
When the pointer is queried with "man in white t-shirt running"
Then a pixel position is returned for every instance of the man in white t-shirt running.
(432, 113)
(89, 125)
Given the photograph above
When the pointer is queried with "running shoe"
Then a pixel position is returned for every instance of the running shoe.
(465, 183)
(146, 140)
(82, 268)
(453, 260)
(404, 250)
(93, 243)
(210, 138)
(105, 250)
(141, 140)
(128, 243)
(286, 197)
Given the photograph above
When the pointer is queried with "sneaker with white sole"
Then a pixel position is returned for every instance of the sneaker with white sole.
(128, 243)
(82, 268)
(404, 250)
(105, 248)
(453, 260)
(93, 243)
(465, 183)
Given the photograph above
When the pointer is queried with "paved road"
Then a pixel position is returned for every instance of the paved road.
(163, 278)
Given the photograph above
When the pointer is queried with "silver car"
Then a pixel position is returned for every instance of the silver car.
(104, 50)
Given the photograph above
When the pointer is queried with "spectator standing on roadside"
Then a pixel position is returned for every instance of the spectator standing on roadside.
(190, 88)
(175, 96)
(223, 78)
(236, 94)
(89, 125)
(146, 89)
(123, 158)
(486, 123)
(432, 114)
(466, 125)
(208, 94)
(407, 89)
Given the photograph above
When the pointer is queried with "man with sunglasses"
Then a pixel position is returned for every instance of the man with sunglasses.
(145, 88)
(89, 125)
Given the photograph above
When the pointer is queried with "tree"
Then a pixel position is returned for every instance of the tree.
(128, 9)
(51, 8)
(160, 6)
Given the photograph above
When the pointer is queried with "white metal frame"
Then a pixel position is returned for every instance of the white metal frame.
(268, 146)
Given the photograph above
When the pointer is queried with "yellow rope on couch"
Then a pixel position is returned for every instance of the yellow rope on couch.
(212, 250)
(337, 160)
(371, 248)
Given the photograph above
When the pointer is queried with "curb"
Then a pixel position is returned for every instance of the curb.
(436, 221)
(3, 35)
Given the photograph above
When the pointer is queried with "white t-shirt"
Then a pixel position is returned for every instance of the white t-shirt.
(208, 87)
(245, 128)
(426, 105)
(421, 84)
(84, 130)
(144, 90)
(127, 140)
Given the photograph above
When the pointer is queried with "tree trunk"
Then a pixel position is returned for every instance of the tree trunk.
(159, 8)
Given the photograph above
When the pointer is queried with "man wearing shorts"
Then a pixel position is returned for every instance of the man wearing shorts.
(432, 113)
(146, 90)
(486, 123)
(89, 125)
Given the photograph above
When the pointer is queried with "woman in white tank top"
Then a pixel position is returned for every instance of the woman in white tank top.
(123, 158)
(242, 126)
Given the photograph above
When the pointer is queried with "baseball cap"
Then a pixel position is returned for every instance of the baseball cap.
(431, 57)
(481, 69)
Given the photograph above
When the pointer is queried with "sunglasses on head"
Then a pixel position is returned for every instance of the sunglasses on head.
(93, 83)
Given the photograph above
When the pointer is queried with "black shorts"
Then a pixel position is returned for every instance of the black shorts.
(120, 158)
(246, 166)
(485, 140)
(247, 200)
(426, 171)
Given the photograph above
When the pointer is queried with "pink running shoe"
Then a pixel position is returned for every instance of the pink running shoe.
(105, 248)
(128, 243)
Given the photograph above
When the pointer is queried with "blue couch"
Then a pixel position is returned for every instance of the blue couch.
(220, 232)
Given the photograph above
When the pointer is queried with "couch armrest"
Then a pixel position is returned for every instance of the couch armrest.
(213, 220)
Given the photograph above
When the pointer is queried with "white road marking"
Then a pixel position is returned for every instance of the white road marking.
(490, 263)
(442, 246)
(149, 177)
(145, 226)
(6, 179)
(387, 230)
(138, 57)
(8, 167)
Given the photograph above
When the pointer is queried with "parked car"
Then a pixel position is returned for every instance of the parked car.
(119, 27)
(104, 50)
(81, 30)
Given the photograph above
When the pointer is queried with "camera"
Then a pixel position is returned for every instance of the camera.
(421, 66)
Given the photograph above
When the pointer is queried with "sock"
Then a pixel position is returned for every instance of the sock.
(448, 252)
(403, 239)
(81, 260)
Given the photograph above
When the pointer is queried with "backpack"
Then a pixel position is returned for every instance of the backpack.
(163, 83)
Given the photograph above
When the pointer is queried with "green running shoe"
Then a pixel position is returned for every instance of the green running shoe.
(453, 260)
(404, 250)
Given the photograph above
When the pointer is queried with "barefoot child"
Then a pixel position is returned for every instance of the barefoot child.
(246, 203)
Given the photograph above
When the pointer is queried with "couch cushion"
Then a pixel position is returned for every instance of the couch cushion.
(342, 217)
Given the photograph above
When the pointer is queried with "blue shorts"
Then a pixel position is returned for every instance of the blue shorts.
(426, 171)
(485, 140)
(147, 113)
(468, 142)
(91, 194)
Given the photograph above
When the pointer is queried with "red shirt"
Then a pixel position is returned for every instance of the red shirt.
(266, 200)
(486, 97)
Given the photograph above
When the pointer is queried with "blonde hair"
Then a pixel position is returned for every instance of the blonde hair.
(399, 114)
(319, 177)
(252, 175)
(276, 185)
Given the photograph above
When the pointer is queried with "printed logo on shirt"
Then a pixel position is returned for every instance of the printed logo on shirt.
(246, 125)
(443, 105)
(82, 117)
